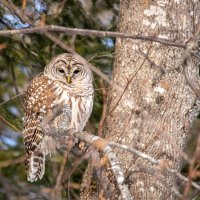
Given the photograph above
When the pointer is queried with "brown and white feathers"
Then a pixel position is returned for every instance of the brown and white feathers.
(65, 84)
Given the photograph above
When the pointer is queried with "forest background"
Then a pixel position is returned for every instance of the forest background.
(23, 56)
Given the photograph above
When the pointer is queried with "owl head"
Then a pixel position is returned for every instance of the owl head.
(69, 70)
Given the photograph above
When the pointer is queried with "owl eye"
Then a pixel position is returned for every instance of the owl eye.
(76, 71)
(61, 71)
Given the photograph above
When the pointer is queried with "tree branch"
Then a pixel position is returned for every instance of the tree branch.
(57, 186)
(100, 145)
(103, 146)
(154, 161)
(104, 109)
(14, 161)
(11, 98)
(87, 32)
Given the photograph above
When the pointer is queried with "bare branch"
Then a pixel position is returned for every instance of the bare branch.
(154, 161)
(104, 109)
(100, 145)
(87, 32)
(57, 187)
(135, 151)
(7, 163)
(1, 104)
(9, 124)
(15, 86)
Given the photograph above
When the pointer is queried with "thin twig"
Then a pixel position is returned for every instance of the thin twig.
(126, 87)
(15, 85)
(7, 163)
(100, 89)
(101, 56)
(104, 109)
(1, 104)
(135, 151)
(3, 119)
(59, 177)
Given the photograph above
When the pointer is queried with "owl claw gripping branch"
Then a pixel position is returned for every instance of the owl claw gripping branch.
(66, 81)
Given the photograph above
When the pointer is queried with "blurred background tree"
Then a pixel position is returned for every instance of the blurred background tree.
(24, 56)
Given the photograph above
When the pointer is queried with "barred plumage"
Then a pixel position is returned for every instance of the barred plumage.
(66, 81)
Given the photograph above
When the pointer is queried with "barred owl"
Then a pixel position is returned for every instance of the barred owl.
(66, 85)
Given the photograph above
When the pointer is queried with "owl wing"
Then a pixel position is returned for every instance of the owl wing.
(39, 106)
(39, 97)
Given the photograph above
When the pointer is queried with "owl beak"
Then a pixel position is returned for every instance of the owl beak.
(68, 79)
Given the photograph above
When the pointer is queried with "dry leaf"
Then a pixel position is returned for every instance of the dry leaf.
(3, 46)
(24, 2)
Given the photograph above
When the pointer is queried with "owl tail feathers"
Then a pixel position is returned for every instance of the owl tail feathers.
(35, 163)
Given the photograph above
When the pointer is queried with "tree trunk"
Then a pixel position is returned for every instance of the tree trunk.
(150, 102)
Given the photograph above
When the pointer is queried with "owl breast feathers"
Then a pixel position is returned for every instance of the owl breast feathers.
(65, 86)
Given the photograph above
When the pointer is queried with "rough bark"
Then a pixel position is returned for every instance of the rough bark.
(150, 104)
